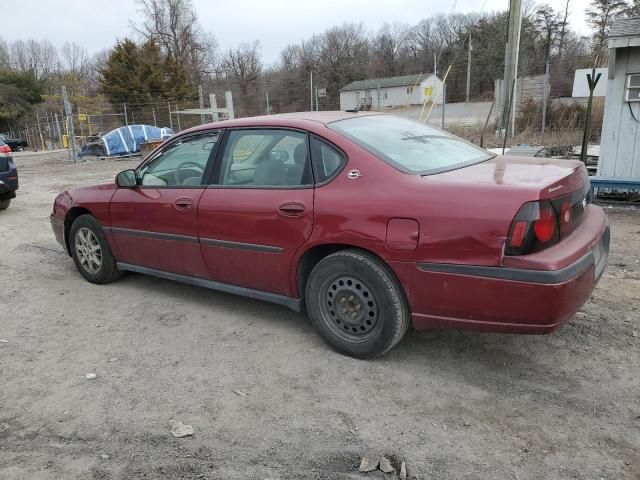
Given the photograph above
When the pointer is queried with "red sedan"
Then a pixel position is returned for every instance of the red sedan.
(368, 222)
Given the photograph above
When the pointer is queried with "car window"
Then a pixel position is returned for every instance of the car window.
(269, 158)
(181, 163)
(408, 145)
(326, 159)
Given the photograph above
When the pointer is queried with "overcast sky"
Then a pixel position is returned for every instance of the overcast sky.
(274, 22)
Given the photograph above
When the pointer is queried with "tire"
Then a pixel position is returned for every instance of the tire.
(4, 204)
(90, 251)
(356, 303)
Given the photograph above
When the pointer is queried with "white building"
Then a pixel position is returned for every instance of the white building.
(391, 92)
(620, 141)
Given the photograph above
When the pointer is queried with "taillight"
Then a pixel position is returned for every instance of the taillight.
(5, 149)
(538, 225)
(545, 226)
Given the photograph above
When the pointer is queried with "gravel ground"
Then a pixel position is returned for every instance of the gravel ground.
(451, 404)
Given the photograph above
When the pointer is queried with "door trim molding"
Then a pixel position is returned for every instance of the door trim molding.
(252, 247)
(294, 304)
(209, 242)
(148, 234)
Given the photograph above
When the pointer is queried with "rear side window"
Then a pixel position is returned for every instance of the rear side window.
(327, 161)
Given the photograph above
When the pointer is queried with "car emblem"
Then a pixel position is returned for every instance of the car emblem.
(353, 174)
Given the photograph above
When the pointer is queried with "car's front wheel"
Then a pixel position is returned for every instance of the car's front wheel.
(90, 251)
(4, 204)
(356, 303)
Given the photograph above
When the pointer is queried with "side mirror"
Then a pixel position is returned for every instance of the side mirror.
(127, 179)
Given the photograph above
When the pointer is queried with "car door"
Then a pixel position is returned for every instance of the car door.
(154, 224)
(259, 208)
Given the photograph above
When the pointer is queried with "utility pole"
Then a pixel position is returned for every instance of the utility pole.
(511, 64)
(153, 112)
(71, 126)
(201, 103)
(378, 94)
(317, 99)
(178, 116)
(170, 119)
(469, 69)
(126, 120)
(311, 91)
(268, 108)
(435, 64)
(444, 101)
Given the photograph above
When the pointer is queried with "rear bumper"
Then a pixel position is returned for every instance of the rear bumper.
(499, 299)
(8, 188)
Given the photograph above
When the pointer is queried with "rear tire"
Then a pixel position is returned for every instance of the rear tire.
(4, 204)
(90, 251)
(356, 303)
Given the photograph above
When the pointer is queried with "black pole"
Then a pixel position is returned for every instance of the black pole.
(592, 80)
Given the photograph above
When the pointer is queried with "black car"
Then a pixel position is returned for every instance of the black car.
(8, 178)
(16, 144)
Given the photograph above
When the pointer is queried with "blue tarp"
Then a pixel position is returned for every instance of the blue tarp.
(128, 139)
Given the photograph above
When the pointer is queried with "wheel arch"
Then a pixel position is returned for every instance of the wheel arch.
(310, 258)
(69, 218)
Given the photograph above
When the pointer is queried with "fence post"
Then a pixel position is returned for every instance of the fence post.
(201, 103)
(126, 120)
(228, 97)
(153, 111)
(71, 126)
(58, 129)
(268, 108)
(178, 116)
(444, 101)
(378, 91)
(545, 87)
(170, 119)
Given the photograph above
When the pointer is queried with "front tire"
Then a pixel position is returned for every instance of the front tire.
(4, 204)
(355, 302)
(90, 251)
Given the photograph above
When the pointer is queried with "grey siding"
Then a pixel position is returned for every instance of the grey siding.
(620, 144)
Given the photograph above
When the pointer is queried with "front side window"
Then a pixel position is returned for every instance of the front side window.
(410, 146)
(180, 164)
(266, 158)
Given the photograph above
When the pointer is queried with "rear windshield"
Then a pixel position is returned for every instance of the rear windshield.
(410, 146)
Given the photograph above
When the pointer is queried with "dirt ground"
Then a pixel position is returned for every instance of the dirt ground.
(451, 404)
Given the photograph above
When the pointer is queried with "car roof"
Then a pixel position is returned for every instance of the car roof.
(298, 119)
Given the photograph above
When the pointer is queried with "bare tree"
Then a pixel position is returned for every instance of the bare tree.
(389, 47)
(548, 23)
(173, 24)
(243, 65)
(75, 58)
(562, 34)
(5, 58)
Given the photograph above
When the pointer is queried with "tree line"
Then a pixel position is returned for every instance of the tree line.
(169, 55)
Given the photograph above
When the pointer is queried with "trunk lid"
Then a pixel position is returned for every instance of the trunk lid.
(542, 178)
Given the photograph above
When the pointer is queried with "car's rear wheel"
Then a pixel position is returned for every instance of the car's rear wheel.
(356, 303)
(4, 204)
(90, 251)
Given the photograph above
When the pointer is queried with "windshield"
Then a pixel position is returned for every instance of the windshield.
(410, 146)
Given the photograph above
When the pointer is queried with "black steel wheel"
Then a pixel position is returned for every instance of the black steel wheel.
(356, 303)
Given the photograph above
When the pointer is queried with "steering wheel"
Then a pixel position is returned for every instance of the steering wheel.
(179, 174)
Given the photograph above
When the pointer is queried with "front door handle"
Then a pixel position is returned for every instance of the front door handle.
(183, 204)
(292, 209)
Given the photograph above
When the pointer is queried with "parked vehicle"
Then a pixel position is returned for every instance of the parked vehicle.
(366, 221)
(8, 176)
(16, 144)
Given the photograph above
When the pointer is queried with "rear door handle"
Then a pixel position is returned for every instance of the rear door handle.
(183, 204)
(292, 209)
